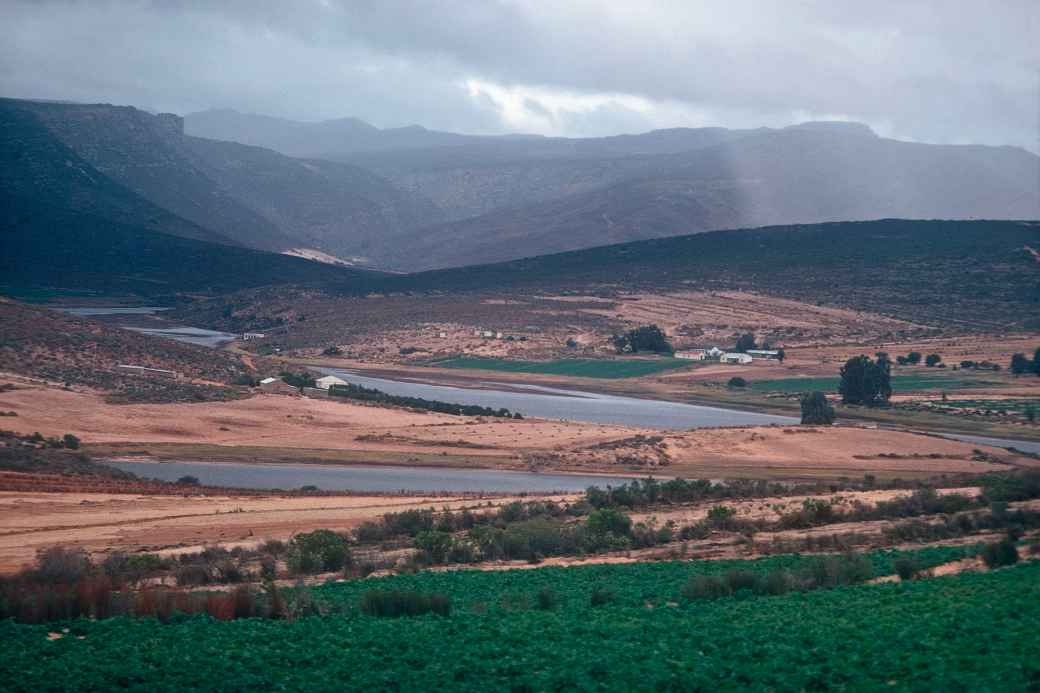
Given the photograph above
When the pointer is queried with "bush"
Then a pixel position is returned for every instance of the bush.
(817, 410)
(188, 480)
(1002, 553)
(705, 587)
(609, 521)
(601, 596)
(434, 546)
(192, 575)
(70, 442)
(932, 360)
(736, 382)
(319, 551)
(394, 604)
(60, 565)
(906, 568)
(743, 580)
(546, 600)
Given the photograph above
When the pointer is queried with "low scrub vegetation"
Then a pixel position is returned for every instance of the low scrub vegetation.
(365, 394)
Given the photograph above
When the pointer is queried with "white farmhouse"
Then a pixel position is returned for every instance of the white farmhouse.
(735, 357)
(328, 381)
(692, 354)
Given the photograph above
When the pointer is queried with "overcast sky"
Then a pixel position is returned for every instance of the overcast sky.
(941, 71)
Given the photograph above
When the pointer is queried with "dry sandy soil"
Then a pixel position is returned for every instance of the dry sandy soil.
(259, 427)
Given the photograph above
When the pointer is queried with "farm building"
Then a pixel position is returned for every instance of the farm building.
(146, 371)
(328, 381)
(276, 385)
(763, 353)
(249, 336)
(692, 354)
(735, 357)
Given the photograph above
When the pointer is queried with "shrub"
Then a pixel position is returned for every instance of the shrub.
(601, 596)
(1000, 554)
(736, 382)
(906, 568)
(70, 441)
(192, 575)
(60, 565)
(932, 360)
(609, 521)
(188, 480)
(319, 551)
(743, 580)
(817, 410)
(395, 603)
(434, 546)
(546, 599)
(274, 547)
(705, 587)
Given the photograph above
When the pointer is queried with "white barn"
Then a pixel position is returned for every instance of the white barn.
(735, 357)
(328, 381)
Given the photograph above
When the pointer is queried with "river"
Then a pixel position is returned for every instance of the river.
(365, 478)
(131, 319)
(552, 403)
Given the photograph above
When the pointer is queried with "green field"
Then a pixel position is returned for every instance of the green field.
(900, 383)
(966, 632)
(585, 368)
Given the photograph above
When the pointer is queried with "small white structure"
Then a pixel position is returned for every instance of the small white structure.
(692, 354)
(442, 335)
(499, 335)
(487, 334)
(764, 353)
(249, 336)
(146, 371)
(735, 357)
(477, 333)
(268, 381)
(328, 381)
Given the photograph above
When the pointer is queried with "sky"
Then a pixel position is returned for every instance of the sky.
(945, 71)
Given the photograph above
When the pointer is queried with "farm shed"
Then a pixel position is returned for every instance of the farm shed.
(328, 381)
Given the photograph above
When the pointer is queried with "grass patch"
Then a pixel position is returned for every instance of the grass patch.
(584, 368)
(900, 383)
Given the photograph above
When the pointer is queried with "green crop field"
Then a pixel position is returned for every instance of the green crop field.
(973, 631)
(900, 383)
(585, 368)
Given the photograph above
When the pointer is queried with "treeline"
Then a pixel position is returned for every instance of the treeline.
(366, 394)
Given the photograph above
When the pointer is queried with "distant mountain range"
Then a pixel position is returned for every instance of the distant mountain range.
(504, 198)
(409, 199)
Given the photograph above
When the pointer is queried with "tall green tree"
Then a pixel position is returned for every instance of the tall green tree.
(816, 409)
(866, 382)
(1020, 364)
(1036, 361)
(744, 342)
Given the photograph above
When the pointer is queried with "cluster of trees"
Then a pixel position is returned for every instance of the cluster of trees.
(914, 357)
(648, 338)
(301, 379)
(822, 573)
(1021, 364)
(865, 381)
(367, 394)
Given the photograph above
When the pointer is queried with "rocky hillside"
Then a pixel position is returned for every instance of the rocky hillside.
(248, 196)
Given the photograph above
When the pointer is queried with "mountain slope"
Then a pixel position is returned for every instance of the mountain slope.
(979, 273)
(323, 139)
(798, 175)
(41, 172)
(145, 153)
(246, 195)
(66, 225)
(342, 210)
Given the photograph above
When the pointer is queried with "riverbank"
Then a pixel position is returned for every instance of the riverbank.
(681, 389)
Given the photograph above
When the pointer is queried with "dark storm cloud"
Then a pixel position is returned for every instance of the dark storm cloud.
(939, 71)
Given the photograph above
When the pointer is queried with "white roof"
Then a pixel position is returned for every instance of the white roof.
(268, 381)
(331, 380)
